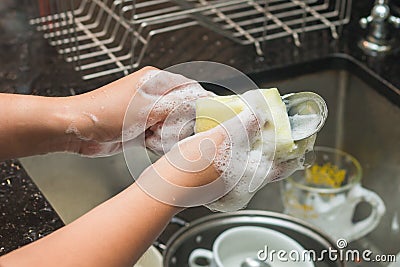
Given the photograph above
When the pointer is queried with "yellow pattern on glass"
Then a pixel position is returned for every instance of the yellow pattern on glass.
(327, 174)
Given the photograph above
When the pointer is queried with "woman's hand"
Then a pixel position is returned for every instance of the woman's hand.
(159, 106)
(246, 158)
(224, 167)
(154, 102)
(226, 157)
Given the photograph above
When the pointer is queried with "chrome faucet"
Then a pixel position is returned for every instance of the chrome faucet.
(381, 24)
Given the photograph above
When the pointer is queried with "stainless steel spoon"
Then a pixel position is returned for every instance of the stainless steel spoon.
(253, 262)
(307, 113)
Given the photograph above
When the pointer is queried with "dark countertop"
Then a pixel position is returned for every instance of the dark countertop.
(29, 65)
(25, 213)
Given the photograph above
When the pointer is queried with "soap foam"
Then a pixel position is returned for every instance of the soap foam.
(164, 107)
(248, 162)
(179, 108)
(71, 129)
(92, 117)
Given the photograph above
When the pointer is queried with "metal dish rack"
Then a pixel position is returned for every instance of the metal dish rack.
(104, 37)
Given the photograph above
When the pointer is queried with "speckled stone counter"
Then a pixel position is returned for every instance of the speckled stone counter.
(28, 65)
(25, 213)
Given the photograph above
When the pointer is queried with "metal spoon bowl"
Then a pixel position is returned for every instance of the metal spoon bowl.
(307, 113)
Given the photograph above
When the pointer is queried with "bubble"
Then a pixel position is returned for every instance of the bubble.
(239, 165)
(92, 117)
(71, 129)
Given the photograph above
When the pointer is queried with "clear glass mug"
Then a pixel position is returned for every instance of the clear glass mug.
(327, 193)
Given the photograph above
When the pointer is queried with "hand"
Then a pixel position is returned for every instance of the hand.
(223, 167)
(246, 158)
(152, 101)
(171, 113)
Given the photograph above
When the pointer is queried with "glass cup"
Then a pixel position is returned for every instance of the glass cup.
(327, 193)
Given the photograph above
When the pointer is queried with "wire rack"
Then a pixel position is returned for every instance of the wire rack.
(104, 37)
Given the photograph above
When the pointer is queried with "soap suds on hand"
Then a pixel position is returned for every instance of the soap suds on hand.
(247, 163)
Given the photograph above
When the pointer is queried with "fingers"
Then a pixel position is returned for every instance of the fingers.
(253, 118)
(167, 91)
(171, 114)
(284, 169)
(158, 82)
(258, 106)
(259, 167)
(250, 121)
(161, 137)
(153, 139)
(248, 160)
(177, 125)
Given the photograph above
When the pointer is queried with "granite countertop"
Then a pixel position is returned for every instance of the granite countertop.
(30, 66)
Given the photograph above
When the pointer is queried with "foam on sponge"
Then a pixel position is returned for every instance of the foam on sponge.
(248, 159)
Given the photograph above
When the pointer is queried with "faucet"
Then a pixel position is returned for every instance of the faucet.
(381, 24)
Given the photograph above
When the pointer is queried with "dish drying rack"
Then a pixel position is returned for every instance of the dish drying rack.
(105, 37)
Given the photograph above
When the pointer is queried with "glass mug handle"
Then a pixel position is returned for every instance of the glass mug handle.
(362, 228)
(199, 254)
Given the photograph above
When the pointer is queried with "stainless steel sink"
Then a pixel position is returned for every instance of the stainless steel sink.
(365, 124)
(73, 184)
(362, 121)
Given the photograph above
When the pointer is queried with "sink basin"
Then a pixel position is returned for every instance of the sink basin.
(74, 184)
(362, 121)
